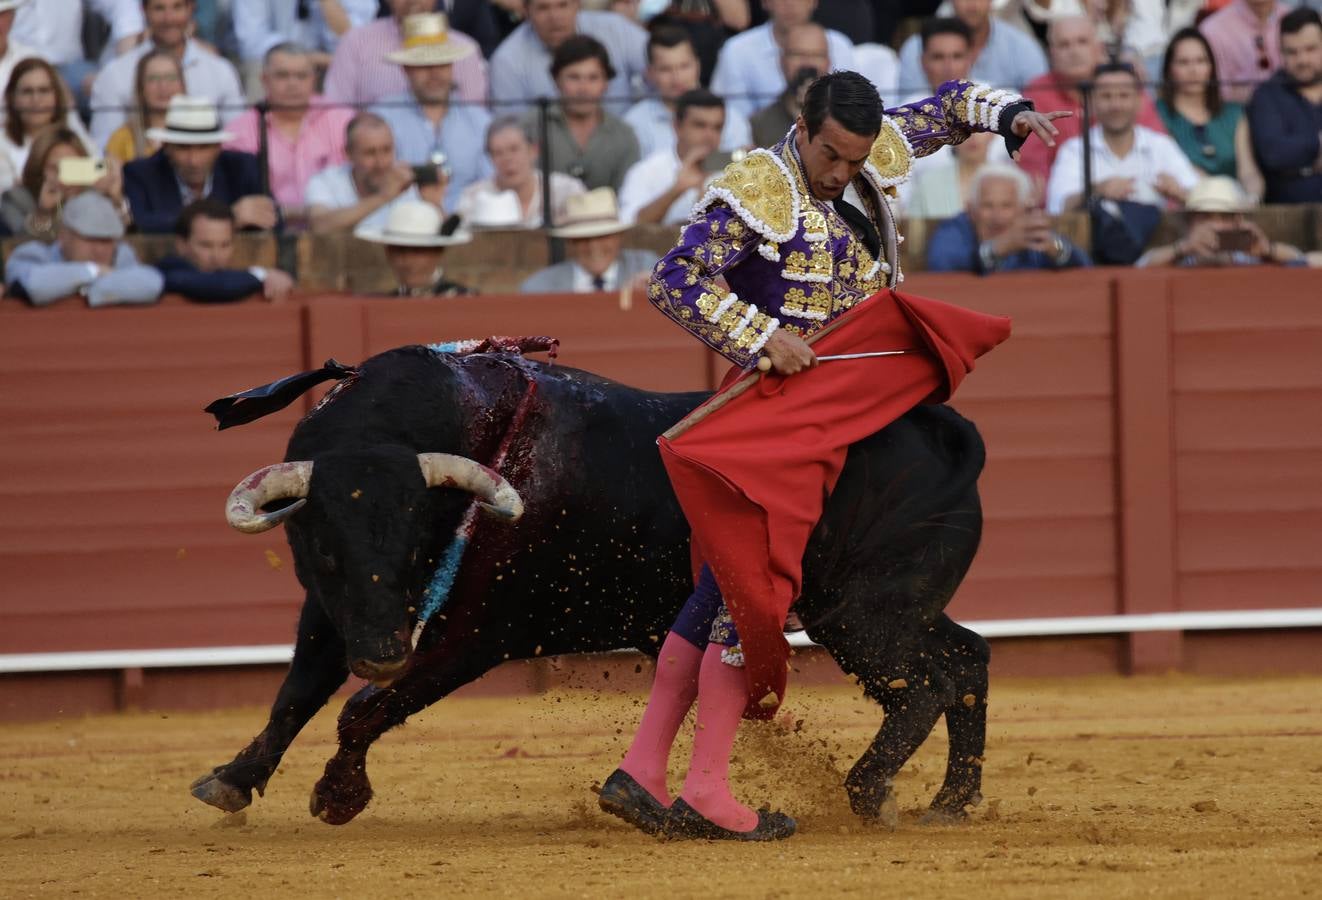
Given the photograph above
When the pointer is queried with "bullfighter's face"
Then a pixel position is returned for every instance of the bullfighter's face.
(832, 157)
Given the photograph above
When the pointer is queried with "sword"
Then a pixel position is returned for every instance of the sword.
(764, 363)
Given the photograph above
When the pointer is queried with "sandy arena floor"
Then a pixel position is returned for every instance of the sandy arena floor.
(1095, 788)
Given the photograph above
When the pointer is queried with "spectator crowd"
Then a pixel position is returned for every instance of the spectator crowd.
(415, 123)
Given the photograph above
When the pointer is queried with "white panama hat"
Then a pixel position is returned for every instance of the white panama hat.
(412, 223)
(7, 5)
(594, 214)
(1216, 194)
(427, 42)
(496, 209)
(190, 120)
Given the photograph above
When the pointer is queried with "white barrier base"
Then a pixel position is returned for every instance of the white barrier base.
(1054, 626)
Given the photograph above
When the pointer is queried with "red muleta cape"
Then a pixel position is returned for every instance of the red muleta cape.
(754, 476)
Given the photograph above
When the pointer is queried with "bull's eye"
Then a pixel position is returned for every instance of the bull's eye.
(327, 559)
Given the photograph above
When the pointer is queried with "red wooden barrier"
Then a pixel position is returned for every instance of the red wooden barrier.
(1154, 443)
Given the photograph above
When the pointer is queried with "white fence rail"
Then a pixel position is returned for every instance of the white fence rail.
(1053, 626)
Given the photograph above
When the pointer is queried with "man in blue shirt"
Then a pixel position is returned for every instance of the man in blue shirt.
(1003, 56)
(521, 65)
(428, 128)
(748, 72)
(1000, 231)
(89, 259)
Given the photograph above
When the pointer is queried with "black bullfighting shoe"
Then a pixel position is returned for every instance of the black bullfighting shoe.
(686, 823)
(622, 796)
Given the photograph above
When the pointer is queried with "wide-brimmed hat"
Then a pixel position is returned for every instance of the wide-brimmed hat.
(7, 5)
(190, 120)
(92, 215)
(427, 42)
(1216, 194)
(594, 214)
(496, 209)
(412, 223)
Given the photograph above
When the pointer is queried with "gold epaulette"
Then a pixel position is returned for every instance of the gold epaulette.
(761, 192)
(891, 156)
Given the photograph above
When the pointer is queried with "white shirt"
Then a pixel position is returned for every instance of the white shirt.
(56, 31)
(125, 18)
(583, 281)
(333, 188)
(1151, 155)
(259, 25)
(654, 125)
(748, 71)
(205, 75)
(648, 179)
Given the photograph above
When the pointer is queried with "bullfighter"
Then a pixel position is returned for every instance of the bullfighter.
(784, 242)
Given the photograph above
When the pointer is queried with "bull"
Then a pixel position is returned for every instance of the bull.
(376, 480)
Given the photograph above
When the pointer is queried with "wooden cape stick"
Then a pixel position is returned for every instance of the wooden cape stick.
(739, 387)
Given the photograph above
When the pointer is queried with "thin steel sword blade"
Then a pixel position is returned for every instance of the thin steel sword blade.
(864, 355)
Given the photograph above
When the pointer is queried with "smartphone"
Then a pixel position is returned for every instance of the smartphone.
(1234, 240)
(81, 171)
(425, 175)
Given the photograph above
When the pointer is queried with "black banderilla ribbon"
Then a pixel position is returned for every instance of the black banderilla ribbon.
(252, 404)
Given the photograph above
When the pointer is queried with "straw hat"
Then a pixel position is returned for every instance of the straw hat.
(593, 214)
(427, 42)
(412, 223)
(190, 120)
(496, 209)
(1216, 194)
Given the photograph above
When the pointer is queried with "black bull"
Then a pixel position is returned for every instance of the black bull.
(599, 561)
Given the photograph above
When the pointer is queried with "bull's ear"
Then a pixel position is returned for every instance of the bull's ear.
(460, 472)
(282, 481)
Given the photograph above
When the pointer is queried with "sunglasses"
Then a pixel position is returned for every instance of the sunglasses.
(1260, 44)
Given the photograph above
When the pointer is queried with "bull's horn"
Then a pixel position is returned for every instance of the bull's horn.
(280, 481)
(446, 470)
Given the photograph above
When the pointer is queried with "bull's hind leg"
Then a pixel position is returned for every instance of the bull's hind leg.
(317, 670)
(913, 694)
(872, 639)
(964, 655)
(344, 789)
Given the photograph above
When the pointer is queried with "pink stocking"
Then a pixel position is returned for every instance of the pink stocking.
(722, 695)
(673, 690)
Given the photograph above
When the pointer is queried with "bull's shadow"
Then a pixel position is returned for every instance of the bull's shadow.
(375, 487)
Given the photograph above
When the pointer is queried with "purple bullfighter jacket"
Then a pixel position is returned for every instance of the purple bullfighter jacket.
(790, 260)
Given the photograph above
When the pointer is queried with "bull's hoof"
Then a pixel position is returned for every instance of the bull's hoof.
(952, 811)
(872, 800)
(214, 792)
(342, 793)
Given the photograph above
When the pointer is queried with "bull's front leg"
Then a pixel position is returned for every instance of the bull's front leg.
(344, 789)
(317, 671)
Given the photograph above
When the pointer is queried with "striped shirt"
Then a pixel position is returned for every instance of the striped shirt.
(360, 74)
(291, 163)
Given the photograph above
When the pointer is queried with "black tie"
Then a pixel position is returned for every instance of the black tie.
(862, 226)
(599, 282)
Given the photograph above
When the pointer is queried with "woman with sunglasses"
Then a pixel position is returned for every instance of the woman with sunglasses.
(1190, 104)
